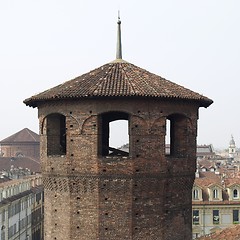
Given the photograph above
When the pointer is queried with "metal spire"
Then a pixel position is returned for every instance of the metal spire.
(119, 42)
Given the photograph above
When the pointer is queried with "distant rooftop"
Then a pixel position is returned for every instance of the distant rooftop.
(25, 135)
(231, 233)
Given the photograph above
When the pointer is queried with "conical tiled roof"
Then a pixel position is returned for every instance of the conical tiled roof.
(118, 79)
(25, 135)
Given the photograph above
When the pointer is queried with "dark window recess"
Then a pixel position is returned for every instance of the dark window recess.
(235, 216)
(176, 140)
(104, 144)
(56, 134)
(216, 218)
(195, 217)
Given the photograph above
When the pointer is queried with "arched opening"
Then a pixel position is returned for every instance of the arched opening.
(56, 134)
(114, 133)
(215, 193)
(195, 194)
(176, 138)
(235, 193)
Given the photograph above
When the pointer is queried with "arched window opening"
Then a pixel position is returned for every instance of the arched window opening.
(215, 193)
(56, 134)
(235, 193)
(176, 138)
(114, 134)
(195, 194)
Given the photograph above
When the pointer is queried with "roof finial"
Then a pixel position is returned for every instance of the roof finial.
(119, 42)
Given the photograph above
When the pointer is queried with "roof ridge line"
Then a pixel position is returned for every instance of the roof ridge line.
(129, 81)
(29, 131)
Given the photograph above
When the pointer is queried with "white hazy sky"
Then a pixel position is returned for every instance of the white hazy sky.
(190, 42)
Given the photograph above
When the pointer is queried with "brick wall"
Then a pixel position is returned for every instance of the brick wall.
(144, 196)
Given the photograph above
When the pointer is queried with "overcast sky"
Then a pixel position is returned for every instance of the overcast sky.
(192, 43)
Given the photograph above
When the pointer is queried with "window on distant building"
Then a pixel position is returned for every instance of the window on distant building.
(195, 217)
(216, 217)
(235, 193)
(215, 193)
(195, 235)
(235, 216)
(195, 194)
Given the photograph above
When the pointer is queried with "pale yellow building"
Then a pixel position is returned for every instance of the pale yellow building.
(215, 202)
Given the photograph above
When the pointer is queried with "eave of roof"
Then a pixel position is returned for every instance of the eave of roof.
(118, 79)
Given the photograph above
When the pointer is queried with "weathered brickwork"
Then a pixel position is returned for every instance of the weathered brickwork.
(146, 195)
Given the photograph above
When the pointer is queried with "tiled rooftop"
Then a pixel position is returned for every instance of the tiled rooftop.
(19, 162)
(118, 79)
(231, 233)
(208, 180)
(25, 135)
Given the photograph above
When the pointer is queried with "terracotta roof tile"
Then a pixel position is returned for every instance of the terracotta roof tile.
(118, 79)
(207, 180)
(231, 233)
(232, 181)
(23, 162)
(25, 135)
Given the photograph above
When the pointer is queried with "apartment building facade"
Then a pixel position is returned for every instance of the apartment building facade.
(21, 209)
(215, 203)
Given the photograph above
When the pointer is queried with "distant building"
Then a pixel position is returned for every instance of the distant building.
(21, 209)
(205, 151)
(215, 202)
(19, 154)
(232, 148)
(24, 143)
(18, 166)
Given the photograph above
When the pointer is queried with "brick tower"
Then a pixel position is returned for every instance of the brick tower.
(94, 191)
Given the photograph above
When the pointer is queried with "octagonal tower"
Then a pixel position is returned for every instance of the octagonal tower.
(94, 191)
